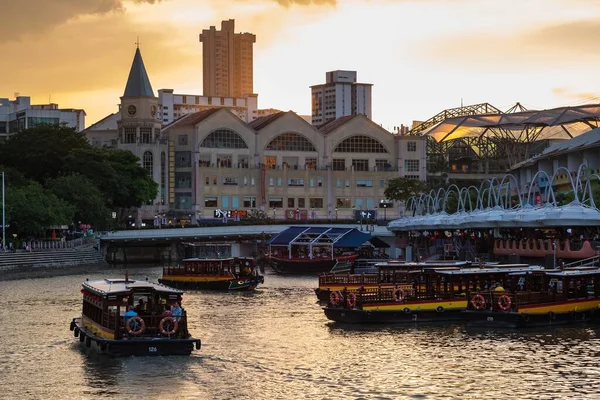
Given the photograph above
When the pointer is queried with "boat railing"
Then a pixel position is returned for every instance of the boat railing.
(399, 295)
(152, 323)
(347, 279)
(586, 262)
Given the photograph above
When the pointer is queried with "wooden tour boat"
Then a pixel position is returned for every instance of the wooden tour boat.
(422, 295)
(314, 249)
(538, 298)
(388, 274)
(234, 273)
(110, 326)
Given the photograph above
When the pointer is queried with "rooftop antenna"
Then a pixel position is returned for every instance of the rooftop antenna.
(137, 42)
(461, 101)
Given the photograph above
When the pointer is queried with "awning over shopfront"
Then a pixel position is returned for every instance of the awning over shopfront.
(325, 236)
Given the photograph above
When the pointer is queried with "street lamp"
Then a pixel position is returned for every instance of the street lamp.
(384, 204)
(336, 214)
(3, 216)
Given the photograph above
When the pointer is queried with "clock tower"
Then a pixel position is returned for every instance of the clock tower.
(139, 129)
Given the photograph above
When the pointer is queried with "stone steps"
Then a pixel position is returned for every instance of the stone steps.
(21, 260)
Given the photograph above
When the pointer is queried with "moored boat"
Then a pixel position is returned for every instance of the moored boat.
(110, 325)
(435, 295)
(538, 298)
(389, 274)
(314, 249)
(234, 273)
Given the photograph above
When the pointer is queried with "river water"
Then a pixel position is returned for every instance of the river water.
(277, 344)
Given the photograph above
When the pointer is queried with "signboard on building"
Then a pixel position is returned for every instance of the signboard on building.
(236, 215)
(296, 214)
(365, 215)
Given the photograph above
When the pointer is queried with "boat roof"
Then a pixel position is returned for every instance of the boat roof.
(115, 286)
(579, 272)
(324, 236)
(425, 264)
(503, 270)
(216, 259)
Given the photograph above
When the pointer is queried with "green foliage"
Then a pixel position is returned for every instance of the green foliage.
(55, 177)
(32, 209)
(117, 173)
(402, 189)
(89, 202)
(38, 153)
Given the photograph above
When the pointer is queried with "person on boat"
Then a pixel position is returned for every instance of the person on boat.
(129, 314)
(177, 311)
(167, 312)
(141, 307)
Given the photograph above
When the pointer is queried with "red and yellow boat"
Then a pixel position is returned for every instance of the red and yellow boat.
(540, 298)
(234, 273)
(386, 275)
(435, 295)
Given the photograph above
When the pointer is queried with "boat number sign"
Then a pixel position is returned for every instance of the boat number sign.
(152, 349)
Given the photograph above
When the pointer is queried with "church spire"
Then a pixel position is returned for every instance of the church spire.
(138, 84)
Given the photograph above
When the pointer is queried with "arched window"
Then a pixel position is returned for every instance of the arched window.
(148, 162)
(224, 139)
(290, 141)
(360, 144)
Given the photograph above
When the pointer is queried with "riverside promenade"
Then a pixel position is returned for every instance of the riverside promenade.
(46, 257)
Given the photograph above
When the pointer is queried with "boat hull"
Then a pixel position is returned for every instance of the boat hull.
(390, 316)
(240, 284)
(306, 266)
(511, 320)
(144, 346)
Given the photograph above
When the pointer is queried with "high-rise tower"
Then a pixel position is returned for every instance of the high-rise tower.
(340, 96)
(227, 61)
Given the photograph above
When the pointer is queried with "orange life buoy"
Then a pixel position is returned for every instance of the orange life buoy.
(504, 302)
(335, 298)
(398, 295)
(173, 325)
(139, 323)
(478, 302)
(351, 299)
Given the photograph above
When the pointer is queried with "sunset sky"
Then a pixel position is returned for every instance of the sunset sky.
(422, 56)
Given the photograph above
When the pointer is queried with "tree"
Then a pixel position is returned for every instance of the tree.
(402, 189)
(31, 210)
(117, 173)
(88, 200)
(39, 152)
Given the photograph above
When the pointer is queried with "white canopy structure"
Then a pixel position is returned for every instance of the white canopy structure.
(428, 212)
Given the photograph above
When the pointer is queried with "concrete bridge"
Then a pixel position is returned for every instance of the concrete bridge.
(156, 245)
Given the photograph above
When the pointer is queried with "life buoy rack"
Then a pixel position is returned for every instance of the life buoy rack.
(335, 298)
(504, 302)
(141, 326)
(398, 295)
(351, 299)
(163, 326)
(478, 302)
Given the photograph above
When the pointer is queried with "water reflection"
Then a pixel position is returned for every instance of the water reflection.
(277, 344)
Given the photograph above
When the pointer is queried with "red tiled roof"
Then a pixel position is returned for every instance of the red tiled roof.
(262, 122)
(192, 119)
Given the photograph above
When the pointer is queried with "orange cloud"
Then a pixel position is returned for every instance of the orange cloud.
(38, 16)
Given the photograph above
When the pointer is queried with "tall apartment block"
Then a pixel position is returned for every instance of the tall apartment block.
(340, 96)
(227, 61)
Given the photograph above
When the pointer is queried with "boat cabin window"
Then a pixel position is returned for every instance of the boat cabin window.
(141, 302)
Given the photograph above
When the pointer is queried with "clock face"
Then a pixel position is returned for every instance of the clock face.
(153, 111)
(131, 110)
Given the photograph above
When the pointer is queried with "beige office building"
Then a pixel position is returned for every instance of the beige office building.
(227, 61)
(286, 167)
